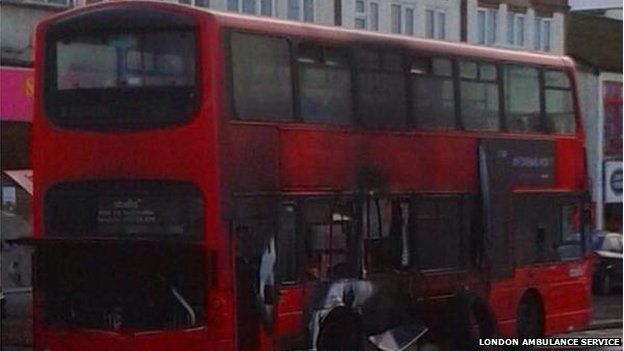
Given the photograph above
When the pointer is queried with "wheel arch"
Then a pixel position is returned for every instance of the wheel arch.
(532, 295)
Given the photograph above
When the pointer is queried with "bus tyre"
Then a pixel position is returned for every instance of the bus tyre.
(340, 330)
(472, 320)
(530, 323)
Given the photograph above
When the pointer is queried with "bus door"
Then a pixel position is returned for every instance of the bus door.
(549, 235)
(505, 164)
(268, 292)
(439, 243)
(288, 330)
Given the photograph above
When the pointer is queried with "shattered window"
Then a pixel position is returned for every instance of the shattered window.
(330, 237)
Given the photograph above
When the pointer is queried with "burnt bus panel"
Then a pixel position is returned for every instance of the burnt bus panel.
(121, 285)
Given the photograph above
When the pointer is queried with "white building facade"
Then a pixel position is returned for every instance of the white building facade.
(534, 25)
(594, 40)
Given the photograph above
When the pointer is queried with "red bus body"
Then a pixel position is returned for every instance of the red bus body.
(227, 158)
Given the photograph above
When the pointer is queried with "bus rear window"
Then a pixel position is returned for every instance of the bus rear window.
(162, 58)
(121, 80)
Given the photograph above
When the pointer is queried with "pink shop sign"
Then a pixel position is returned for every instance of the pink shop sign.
(16, 93)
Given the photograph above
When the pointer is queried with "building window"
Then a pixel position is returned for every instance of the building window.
(515, 29)
(359, 6)
(360, 14)
(486, 26)
(367, 17)
(542, 34)
(441, 25)
(252, 7)
(249, 6)
(301, 10)
(430, 30)
(409, 21)
(338, 12)
(60, 3)
(395, 13)
(200, 3)
(374, 14)
(435, 24)
(266, 7)
(308, 10)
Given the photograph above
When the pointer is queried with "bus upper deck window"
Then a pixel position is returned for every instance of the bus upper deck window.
(479, 96)
(126, 60)
(325, 85)
(140, 75)
(558, 98)
(380, 90)
(522, 99)
(261, 77)
(433, 94)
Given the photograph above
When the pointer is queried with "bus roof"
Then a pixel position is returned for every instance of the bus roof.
(341, 36)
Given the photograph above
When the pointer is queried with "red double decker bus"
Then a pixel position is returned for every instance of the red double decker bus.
(216, 181)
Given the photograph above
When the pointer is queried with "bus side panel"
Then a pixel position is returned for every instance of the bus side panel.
(570, 167)
(418, 162)
(503, 300)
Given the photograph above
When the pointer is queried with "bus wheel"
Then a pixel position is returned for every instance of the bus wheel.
(472, 321)
(530, 322)
(340, 331)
